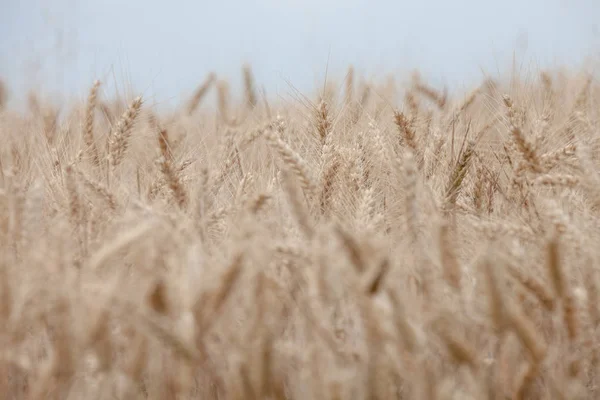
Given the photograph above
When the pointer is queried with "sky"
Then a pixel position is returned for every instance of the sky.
(164, 49)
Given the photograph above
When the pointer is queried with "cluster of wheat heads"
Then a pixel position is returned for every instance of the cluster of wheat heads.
(382, 242)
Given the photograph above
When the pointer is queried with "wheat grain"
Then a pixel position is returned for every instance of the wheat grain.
(88, 134)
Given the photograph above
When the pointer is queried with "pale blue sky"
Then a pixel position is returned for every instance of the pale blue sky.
(165, 48)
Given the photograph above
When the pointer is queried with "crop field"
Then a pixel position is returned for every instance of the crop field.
(367, 240)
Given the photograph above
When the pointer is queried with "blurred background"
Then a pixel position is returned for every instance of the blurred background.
(164, 49)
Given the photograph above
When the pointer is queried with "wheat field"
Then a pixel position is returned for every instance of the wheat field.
(371, 240)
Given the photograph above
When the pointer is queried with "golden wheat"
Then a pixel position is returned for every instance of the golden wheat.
(447, 250)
